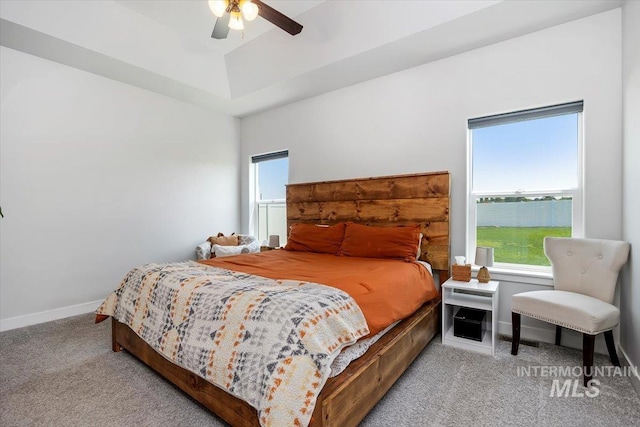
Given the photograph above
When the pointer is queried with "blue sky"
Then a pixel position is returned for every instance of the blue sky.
(532, 155)
(273, 176)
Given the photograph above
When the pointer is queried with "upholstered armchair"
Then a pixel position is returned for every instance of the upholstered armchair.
(585, 274)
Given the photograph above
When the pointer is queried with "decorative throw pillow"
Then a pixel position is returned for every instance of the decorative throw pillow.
(203, 251)
(381, 242)
(223, 240)
(244, 239)
(314, 238)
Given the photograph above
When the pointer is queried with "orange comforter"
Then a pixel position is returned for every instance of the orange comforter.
(386, 290)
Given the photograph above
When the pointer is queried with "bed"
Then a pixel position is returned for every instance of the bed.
(347, 398)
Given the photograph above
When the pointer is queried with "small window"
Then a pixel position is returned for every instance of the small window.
(271, 172)
(525, 174)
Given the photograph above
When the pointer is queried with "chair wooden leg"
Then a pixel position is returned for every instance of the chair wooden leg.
(558, 334)
(613, 355)
(515, 331)
(588, 344)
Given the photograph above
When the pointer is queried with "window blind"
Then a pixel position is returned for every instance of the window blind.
(534, 113)
(270, 156)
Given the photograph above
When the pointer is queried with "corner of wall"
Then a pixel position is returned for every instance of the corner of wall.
(630, 289)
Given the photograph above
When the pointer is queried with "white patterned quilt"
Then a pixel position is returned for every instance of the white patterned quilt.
(268, 342)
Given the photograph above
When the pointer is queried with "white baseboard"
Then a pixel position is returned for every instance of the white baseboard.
(634, 378)
(47, 316)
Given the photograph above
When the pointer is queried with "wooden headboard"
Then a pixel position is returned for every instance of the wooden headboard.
(381, 201)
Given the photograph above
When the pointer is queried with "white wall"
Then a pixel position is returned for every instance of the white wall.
(415, 121)
(630, 289)
(97, 177)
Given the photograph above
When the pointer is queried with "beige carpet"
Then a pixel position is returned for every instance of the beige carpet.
(64, 373)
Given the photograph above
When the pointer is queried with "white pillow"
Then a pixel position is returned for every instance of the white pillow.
(228, 250)
(222, 251)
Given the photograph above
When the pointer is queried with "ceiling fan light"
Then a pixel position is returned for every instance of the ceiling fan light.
(249, 10)
(235, 23)
(218, 7)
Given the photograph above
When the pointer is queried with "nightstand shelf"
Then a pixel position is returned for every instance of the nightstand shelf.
(483, 296)
(483, 346)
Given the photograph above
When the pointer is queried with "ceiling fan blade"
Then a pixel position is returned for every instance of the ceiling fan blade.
(221, 29)
(277, 18)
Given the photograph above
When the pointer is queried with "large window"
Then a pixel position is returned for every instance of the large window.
(525, 183)
(271, 172)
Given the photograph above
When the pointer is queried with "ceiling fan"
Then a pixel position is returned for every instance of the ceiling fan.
(229, 14)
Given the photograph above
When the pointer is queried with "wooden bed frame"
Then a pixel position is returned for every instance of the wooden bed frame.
(347, 398)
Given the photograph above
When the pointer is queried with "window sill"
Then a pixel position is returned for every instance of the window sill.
(520, 276)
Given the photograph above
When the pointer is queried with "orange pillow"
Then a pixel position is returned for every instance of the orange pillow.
(314, 238)
(381, 242)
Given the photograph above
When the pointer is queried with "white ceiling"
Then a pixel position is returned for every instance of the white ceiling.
(165, 46)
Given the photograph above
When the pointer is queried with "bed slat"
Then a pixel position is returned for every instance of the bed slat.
(413, 186)
(383, 210)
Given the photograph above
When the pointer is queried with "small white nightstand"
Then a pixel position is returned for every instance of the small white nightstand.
(470, 294)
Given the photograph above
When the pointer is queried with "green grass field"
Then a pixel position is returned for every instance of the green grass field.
(519, 245)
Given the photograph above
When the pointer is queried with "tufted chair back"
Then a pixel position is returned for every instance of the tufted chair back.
(586, 266)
